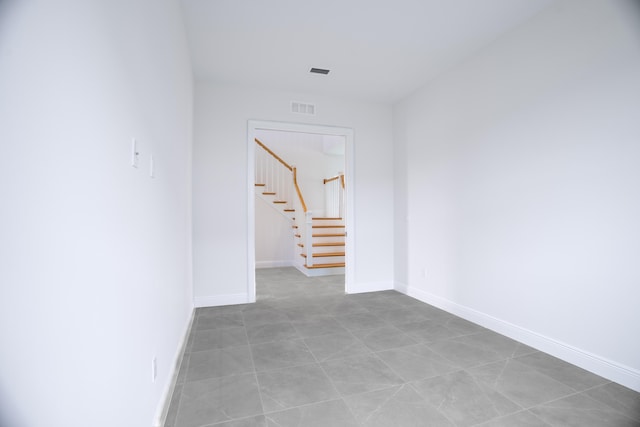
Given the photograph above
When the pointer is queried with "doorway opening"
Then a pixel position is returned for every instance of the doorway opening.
(300, 199)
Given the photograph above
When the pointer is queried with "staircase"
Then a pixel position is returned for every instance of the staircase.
(327, 253)
(319, 241)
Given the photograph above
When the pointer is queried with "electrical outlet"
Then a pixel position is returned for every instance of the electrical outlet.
(154, 369)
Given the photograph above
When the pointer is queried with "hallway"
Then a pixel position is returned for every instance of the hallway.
(308, 355)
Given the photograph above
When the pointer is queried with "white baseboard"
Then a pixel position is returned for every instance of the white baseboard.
(165, 401)
(217, 300)
(358, 288)
(274, 264)
(611, 370)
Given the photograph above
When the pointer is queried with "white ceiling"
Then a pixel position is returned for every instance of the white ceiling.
(377, 50)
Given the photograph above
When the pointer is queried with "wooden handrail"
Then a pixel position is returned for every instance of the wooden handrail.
(330, 179)
(295, 183)
(341, 177)
(286, 165)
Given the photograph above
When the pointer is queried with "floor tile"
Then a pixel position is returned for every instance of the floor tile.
(264, 317)
(296, 386)
(399, 316)
(427, 331)
(462, 326)
(620, 398)
(520, 383)
(219, 319)
(356, 321)
(568, 374)
(465, 352)
(416, 362)
(579, 410)
(463, 399)
(271, 332)
(281, 354)
(344, 307)
(307, 354)
(208, 339)
(319, 326)
(397, 406)
(359, 374)
(335, 346)
(259, 421)
(325, 414)
(383, 338)
(519, 419)
(217, 400)
(219, 363)
(172, 412)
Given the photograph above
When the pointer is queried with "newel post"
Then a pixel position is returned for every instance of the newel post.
(308, 237)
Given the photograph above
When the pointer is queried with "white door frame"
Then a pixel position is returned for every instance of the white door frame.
(253, 126)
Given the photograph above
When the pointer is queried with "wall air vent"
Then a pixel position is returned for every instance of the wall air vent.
(303, 108)
(319, 71)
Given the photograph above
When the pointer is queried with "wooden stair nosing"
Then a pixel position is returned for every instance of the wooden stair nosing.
(326, 219)
(260, 185)
(332, 265)
(329, 235)
(327, 226)
(290, 210)
(328, 244)
(269, 193)
(280, 201)
(324, 254)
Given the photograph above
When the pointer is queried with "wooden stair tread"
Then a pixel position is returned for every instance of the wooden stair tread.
(290, 210)
(280, 201)
(269, 193)
(324, 244)
(329, 235)
(332, 265)
(297, 235)
(326, 219)
(324, 254)
(327, 226)
(260, 185)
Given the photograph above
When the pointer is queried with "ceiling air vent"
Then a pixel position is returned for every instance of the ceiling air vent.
(302, 108)
(319, 71)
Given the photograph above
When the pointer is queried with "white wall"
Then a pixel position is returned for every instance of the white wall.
(94, 254)
(522, 190)
(274, 237)
(220, 173)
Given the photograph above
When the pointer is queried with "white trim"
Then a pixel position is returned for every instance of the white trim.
(217, 300)
(348, 133)
(319, 272)
(274, 264)
(627, 376)
(167, 393)
(359, 288)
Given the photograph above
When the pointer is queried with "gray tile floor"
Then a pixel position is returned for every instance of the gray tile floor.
(307, 355)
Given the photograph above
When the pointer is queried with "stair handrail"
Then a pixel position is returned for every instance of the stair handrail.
(286, 165)
(295, 184)
(333, 178)
(334, 195)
